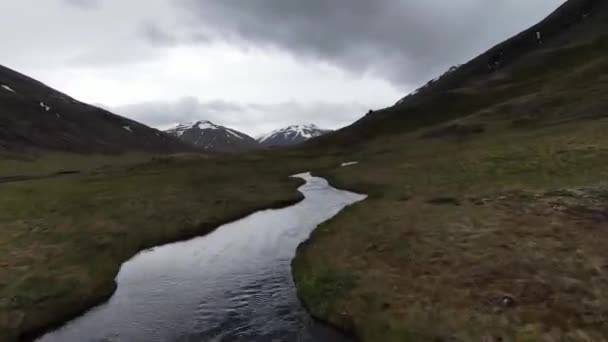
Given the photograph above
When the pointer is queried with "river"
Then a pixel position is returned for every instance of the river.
(234, 284)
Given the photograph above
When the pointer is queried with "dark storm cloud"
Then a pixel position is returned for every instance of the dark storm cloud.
(405, 41)
(251, 118)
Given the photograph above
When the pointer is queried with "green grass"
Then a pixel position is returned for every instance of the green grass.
(27, 164)
(531, 224)
(64, 238)
(433, 272)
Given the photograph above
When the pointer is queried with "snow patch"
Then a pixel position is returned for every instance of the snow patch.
(292, 132)
(7, 88)
(46, 108)
(233, 133)
(429, 83)
(127, 128)
(58, 115)
(267, 136)
(206, 125)
(349, 164)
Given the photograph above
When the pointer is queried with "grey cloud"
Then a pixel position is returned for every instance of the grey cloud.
(252, 118)
(156, 35)
(405, 41)
(85, 4)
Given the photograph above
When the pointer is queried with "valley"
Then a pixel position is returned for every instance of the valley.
(486, 217)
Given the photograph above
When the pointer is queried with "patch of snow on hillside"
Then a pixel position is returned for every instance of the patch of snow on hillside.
(58, 115)
(267, 136)
(206, 125)
(349, 164)
(46, 108)
(234, 133)
(127, 128)
(292, 132)
(7, 88)
(304, 132)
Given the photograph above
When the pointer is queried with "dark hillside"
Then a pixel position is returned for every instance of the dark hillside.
(33, 115)
(487, 215)
(573, 35)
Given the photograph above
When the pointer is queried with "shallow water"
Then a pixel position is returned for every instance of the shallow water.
(234, 284)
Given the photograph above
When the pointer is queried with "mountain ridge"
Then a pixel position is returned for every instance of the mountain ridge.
(36, 116)
(574, 23)
(291, 135)
(475, 185)
(208, 136)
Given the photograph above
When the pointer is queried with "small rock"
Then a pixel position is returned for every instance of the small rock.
(506, 301)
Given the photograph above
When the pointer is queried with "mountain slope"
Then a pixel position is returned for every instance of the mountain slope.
(570, 36)
(487, 211)
(33, 115)
(211, 137)
(291, 135)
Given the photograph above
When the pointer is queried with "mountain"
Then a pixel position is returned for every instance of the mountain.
(35, 116)
(572, 36)
(212, 137)
(499, 163)
(291, 135)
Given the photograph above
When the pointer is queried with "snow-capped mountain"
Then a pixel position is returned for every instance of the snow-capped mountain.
(291, 135)
(211, 137)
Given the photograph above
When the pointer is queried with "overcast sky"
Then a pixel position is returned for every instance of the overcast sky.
(254, 65)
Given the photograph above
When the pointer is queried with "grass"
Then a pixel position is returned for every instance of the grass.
(64, 238)
(493, 236)
(42, 164)
(436, 270)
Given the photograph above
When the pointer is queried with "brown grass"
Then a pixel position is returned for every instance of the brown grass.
(64, 238)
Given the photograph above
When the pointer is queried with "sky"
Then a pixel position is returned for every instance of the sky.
(253, 65)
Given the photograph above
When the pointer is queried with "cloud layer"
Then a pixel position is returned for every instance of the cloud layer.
(252, 64)
(405, 41)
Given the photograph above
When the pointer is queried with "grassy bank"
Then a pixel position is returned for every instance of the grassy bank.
(64, 238)
(490, 227)
(471, 239)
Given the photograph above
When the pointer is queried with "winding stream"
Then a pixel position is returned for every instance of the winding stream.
(234, 284)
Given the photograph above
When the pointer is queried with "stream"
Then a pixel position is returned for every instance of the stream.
(234, 284)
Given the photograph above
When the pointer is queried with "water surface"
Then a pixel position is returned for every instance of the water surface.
(234, 284)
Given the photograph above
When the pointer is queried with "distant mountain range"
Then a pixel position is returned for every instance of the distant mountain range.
(211, 137)
(35, 116)
(291, 135)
